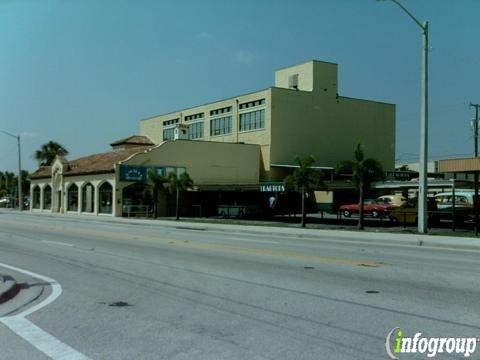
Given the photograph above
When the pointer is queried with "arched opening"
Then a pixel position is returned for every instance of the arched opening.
(47, 197)
(137, 200)
(36, 197)
(105, 198)
(72, 198)
(88, 198)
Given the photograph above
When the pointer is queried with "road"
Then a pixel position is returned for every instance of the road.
(200, 292)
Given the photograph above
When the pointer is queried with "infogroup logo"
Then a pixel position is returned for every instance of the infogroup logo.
(397, 343)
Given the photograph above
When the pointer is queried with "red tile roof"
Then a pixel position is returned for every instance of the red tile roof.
(92, 164)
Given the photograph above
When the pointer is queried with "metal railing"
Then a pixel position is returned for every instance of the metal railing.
(137, 210)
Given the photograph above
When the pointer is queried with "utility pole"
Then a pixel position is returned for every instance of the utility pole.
(475, 178)
(423, 161)
(19, 193)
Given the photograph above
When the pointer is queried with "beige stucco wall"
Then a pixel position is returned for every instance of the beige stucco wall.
(153, 127)
(329, 128)
(62, 183)
(312, 120)
(208, 163)
(312, 76)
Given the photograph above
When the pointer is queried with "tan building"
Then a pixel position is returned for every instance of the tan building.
(302, 115)
(114, 183)
(232, 149)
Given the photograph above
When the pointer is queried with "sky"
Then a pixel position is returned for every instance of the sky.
(85, 72)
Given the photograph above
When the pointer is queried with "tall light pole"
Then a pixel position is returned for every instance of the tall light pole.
(423, 174)
(20, 196)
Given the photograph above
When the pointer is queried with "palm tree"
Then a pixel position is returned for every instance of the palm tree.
(305, 179)
(48, 152)
(178, 184)
(364, 173)
(158, 183)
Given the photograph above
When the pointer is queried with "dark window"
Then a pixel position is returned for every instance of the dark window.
(72, 198)
(36, 197)
(252, 120)
(47, 197)
(105, 198)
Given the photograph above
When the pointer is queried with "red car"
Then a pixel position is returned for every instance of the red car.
(375, 208)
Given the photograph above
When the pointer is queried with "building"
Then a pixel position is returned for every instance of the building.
(114, 183)
(234, 149)
(302, 114)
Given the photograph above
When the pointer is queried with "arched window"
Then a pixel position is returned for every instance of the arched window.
(47, 197)
(36, 197)
(105, 198)
(72, 198)
(88, 198)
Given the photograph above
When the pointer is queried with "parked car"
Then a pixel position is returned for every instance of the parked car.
(463, 199)
(376, 208)
(408, 212)
(5, 202)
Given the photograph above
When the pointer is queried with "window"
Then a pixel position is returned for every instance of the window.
(36, 198)
(250, 104)
(252, 120)
(105, 192)
(221, 126)
(171, 122)
(72, 198)
(194, 116)
(168, 134)
(221, 111)
(195, 130)
(293, 81)
(47, 197)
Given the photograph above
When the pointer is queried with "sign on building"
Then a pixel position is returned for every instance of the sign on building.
(140, 173)
(272, 187)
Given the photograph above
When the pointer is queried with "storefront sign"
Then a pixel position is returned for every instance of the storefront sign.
(272, 187)
(140, 173)
(401, 175)
(132, 173)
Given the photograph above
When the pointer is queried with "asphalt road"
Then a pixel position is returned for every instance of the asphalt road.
(204, 293)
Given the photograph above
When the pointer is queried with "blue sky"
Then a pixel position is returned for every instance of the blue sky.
(84, 72)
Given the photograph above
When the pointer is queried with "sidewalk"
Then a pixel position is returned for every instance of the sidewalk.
(372, 235)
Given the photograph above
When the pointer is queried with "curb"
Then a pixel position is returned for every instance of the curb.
(398, 238)
(8, 288)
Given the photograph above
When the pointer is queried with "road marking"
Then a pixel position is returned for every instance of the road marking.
(37, 337)
(55, 242)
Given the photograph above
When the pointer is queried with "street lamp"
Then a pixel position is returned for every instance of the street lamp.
(20, 197)
(423, 174)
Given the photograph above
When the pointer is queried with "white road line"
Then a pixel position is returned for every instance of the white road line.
(55, 242)
(37, 337)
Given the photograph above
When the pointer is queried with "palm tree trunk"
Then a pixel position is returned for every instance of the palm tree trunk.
(176, 210)
(360, 208)
(303, 208)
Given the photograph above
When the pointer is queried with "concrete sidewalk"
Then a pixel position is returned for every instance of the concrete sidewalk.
(373, 236)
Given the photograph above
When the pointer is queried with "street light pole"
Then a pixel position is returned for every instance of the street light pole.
(423, 162)
(20, 196)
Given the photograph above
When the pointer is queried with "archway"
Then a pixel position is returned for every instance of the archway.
(137, 200)
(72, 198)
(36, 197)
(47, 197)
(105, 198)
